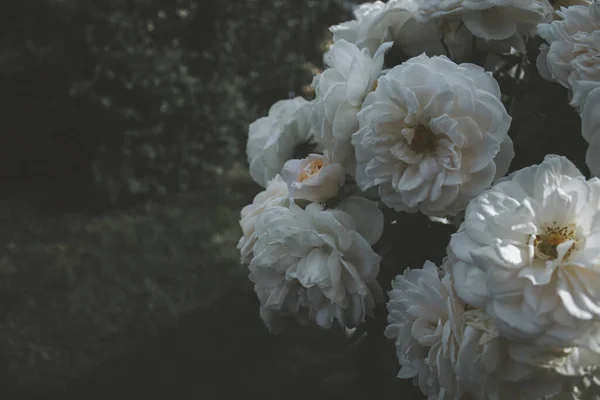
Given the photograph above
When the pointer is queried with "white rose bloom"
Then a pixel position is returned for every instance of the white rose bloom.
(276, 194)
(272, 139)
(433, 135)
(317, 264)
(567, 362)
(340, 91)
(573, 50)
(574, 373)
(314, 178)
(490, 19)
(424, 318)
(376, 23)
(528, 252)
(590, 127)
(485, 367)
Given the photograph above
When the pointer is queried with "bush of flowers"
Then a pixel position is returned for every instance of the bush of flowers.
(416, 130)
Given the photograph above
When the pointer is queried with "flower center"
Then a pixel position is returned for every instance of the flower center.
(310, 170)
(546, 243)
(424, 140)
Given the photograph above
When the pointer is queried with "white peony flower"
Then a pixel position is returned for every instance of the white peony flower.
(490, 19)
(432, 136)
(376, 23)
(340, 91)
(317, 264)
(276, 194)
(573, 51)
(272, 139)
(314, 178)
(528, 252)
(590, 127)
(424, 318)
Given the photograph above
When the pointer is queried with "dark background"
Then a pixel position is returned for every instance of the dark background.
(122, 173)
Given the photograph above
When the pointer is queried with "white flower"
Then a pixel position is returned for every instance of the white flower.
(590, 127)
(528, 252)
(317, 264)
(340, 91)
(454, 351)
(314, 178)
(424, 318)
(573, 51)
(485, 367)
(557, 4)
(272, 139)
(490, 19)
(276, 194)
(567, 362)
(569, 373)
(376, 23)
(432, 136)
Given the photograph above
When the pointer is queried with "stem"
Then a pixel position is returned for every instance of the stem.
(445, 46)
(479, 57)
(517, 79)
(460, 25)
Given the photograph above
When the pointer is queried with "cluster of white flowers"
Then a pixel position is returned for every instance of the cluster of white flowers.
(396, 21)
(514, 310)
(490, 19)
(453, 350)
(440, 27)
(571, 57)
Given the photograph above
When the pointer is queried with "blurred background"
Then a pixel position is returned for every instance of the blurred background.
(123, 171)
(122, 168)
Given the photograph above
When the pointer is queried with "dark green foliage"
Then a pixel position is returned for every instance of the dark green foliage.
(39, 119)
(97, 107)
(77, 290)
(145, 98)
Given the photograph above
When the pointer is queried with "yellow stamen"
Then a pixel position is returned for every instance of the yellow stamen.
(546, 243)
(310, 170)
(424, 140)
